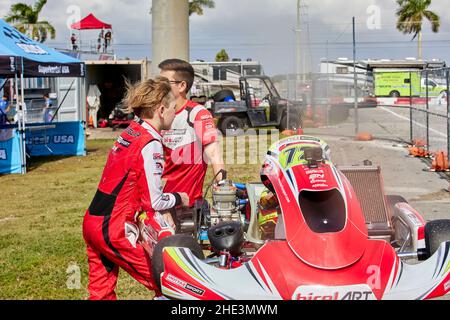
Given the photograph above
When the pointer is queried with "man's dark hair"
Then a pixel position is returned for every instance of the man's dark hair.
(46, 95)
(183, 70)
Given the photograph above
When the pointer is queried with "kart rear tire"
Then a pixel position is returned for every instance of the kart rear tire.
(436, 232)
(178, 240)
(232, 126)
(392, 200)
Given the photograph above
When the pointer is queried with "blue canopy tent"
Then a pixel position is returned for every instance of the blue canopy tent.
(22, 57)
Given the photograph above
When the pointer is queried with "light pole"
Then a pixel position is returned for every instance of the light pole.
(355, 79)
(298, 39)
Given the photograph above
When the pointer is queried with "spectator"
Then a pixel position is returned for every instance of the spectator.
(73, 39)
(108, 37)
(48, 115)
(4, 109)
(99, 40)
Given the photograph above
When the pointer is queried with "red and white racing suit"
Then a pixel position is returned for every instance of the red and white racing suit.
(131, 182)
(185, 166)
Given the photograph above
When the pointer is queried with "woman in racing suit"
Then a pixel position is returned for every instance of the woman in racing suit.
(130, 184)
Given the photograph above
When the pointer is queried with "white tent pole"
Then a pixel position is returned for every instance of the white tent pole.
(23, 122)
(19, 124)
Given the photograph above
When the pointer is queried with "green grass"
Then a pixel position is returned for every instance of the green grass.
(41, 225)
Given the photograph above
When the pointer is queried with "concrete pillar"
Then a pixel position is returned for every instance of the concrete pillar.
(170, 31)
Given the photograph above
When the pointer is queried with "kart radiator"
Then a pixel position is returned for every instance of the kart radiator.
(368, 185)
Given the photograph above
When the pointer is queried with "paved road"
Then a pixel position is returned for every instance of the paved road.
(402, 174)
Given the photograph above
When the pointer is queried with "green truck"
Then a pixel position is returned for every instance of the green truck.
(401, 84)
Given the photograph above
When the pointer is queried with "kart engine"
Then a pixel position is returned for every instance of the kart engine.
(226, 207)
(225, 203)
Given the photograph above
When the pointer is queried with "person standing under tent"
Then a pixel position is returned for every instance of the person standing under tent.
(48, 115)
(131, 184)
(4, 109)
(99, 41)
(73, 40)
(108, 37)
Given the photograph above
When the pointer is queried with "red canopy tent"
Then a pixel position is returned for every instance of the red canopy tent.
(90, 23)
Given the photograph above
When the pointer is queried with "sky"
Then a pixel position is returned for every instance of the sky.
(263, 30)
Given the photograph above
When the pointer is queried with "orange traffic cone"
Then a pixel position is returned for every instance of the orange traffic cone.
(364, 136)
(440, 162)
(419, 143)
(419, 152)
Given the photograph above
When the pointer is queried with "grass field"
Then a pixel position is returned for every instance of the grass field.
(41, 243)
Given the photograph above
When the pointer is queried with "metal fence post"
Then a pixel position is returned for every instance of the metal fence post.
(447, 75)
(411, 137)
(428, 110)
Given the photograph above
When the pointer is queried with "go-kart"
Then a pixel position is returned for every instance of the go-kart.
(338, 237)
(119, 117)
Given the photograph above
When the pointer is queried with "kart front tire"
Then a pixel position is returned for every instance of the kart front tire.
(436, 232)
(178, 240)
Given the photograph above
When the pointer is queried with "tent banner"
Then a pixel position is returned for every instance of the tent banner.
(8, 66)
(50, 69)
(10, 151)
(56, 139)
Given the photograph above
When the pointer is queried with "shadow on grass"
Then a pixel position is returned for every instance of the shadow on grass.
(34, 163)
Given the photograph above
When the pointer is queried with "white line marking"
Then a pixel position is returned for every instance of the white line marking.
(407, 119)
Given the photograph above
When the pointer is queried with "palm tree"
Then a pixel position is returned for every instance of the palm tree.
(410, 18)
(26, 19)
(196, 6)
(222, 56)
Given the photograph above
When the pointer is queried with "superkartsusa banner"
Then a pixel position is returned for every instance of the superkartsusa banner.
(56, 139)
(10, 156)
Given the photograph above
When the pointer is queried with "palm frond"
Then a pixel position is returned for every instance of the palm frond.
(434, 19)
(39, 5)
(45, 25)
(196, 6)
(13, 18)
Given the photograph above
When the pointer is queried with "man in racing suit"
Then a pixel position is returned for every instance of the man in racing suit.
(192, 139)
(130, 184)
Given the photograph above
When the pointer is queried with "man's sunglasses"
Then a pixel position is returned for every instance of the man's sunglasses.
(175, 81)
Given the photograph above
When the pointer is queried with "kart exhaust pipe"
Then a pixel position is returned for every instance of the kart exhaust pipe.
(420, 255)
(407, 255)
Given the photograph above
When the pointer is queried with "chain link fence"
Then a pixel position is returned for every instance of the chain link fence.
(329, 96)
(419, 96)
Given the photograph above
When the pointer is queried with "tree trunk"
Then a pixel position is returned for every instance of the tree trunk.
(170, 31)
